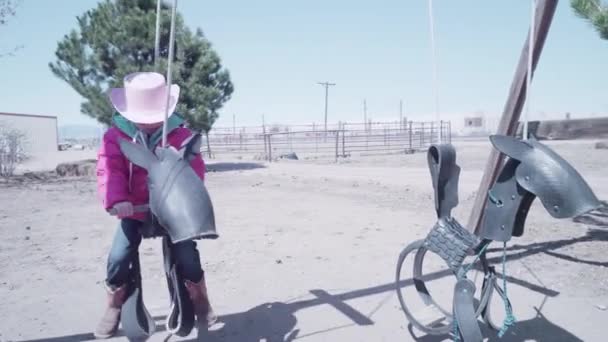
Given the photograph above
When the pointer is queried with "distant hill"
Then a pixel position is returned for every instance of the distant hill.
(79, 132)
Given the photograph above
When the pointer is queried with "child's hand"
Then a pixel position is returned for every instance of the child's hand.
(123, 209)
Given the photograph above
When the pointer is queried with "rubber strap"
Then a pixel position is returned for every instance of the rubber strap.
(464, 311)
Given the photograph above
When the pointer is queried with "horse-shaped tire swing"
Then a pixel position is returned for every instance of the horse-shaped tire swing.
(181, 210)
(531, 170)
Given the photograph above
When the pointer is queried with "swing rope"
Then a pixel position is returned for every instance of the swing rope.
(434, 68)
(157, 36)
(169, 63)
(529, 73)
(510, 318)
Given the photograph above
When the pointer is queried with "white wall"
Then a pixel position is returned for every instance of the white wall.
(41, 135)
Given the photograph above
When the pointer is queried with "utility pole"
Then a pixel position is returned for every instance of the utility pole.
(233, 124)
(326, 85)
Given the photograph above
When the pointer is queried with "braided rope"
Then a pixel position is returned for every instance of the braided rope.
(510, 318)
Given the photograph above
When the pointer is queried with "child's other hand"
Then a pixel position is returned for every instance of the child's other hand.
(124, 209)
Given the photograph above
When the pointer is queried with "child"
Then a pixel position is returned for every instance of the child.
(123, 185)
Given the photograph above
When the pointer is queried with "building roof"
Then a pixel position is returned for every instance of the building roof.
(30, 115)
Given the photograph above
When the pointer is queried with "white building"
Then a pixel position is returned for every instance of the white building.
(41, 137)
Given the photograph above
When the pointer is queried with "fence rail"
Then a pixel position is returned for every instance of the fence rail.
(342, 140)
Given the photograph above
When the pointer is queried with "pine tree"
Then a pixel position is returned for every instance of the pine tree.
(594, 12)
(117, 38)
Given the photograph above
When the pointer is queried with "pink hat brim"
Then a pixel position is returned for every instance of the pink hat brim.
(119, 101)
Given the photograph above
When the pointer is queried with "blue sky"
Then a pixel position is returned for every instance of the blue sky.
(277, 51)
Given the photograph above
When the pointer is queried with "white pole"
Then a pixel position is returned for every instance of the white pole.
(169, 62)
(529, 73)
(434, 66)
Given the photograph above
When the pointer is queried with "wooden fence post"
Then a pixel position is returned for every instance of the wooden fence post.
(450, 131)
(410, 135)
(337, 142)
(422, 135)
(343, 142)
(269, 147)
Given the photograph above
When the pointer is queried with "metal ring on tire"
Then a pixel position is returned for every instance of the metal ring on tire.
(424, 294)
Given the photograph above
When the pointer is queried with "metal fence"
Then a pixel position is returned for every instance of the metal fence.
(312, 141)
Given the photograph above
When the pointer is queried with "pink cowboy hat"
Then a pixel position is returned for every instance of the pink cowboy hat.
(144, 97)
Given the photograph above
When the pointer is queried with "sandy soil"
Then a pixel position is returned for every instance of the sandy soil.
(307, 252)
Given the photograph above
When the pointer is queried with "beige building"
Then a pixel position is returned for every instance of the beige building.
(41, 135)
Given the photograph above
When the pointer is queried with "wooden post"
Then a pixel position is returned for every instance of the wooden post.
(269, 147)
(422, 135)
(513, 107)
(343, 142)
(410, 135)
(337, 142)
(208, 145)
(265, 146)
(450, 132)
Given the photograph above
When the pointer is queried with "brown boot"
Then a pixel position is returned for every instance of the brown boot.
(200, 300)
(108, 325)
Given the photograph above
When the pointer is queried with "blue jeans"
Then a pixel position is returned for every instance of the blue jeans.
(125, 250)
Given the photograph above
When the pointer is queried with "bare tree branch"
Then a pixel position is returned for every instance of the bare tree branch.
(8, 9)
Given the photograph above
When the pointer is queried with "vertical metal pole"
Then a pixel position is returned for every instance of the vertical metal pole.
(434, 62)
(269, 147)
(365, 115)
(326, 94)
(529, 73)
(410, 135)
(400, 115)
(265, 146)
(422, 135)
(450, 131)
(343, 142)
(157, 36)
(337, 143)
(169, 62)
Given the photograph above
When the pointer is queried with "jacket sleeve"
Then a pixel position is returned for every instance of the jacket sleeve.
(112, 173)
(198, 164)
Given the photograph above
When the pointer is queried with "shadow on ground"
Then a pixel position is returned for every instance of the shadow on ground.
(276, 321)
(596, 218)
(548, 247)
(538, 329)
(224, 167)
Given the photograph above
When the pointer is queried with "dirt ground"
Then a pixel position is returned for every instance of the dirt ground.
(307, 251)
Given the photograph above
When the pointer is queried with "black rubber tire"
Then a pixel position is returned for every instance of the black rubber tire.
(443, 329)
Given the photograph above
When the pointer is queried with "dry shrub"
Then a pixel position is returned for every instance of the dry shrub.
(12, 149)
(83, 168)
(601, 145)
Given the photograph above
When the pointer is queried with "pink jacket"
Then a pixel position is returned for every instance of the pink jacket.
(118, 180)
